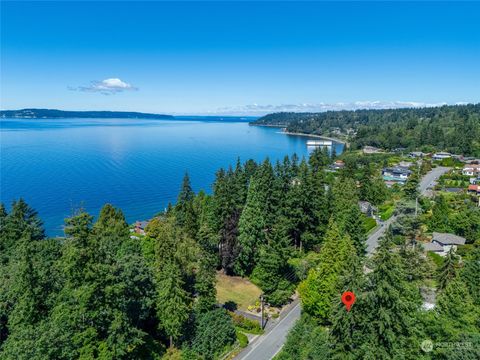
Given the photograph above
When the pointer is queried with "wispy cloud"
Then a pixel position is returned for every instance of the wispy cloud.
(106, 87)
(262, 109)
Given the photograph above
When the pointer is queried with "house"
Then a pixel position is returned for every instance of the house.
(474, 189)
(371, 150)
(433, 247)
(366, 208)
(471, 170)
(140, 227)
(405, 164)
(337, 165)
(453, 189)
(446, 241)
(416, 154)
(398, 174)
(475, 181)
(441, 156)
(471, 160)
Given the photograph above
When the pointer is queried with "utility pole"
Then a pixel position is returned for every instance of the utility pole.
(262, 309)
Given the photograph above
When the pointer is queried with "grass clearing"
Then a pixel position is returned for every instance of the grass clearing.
(386, 210)
(236, 289)
(369, 224)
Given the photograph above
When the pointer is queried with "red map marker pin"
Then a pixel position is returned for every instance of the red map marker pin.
(348, 298)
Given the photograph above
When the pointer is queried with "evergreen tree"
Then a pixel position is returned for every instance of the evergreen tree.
(21, 220)
(214, 332)
(272, 273)
(184, 211)
(344, 193)
(205, 283)
(448, 270)
(471, 274)
(411, 186)
(108, 291)
(344, 335)
(172, 301)
(264, 179)
(207, 237)
(355, 229)
(227, 213)
(252, 228)
(296, 211)
(110, 233)
(440, 215)
(323, 282)
(4, 243)
(390, 307)
(457, 309)
(319, 159)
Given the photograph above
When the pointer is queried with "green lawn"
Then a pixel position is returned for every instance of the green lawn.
(236, 289)
(369, 224)
(386, 210)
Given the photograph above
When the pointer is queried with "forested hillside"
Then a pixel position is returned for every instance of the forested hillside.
(62, 114)
(100, 292)
(452, 128)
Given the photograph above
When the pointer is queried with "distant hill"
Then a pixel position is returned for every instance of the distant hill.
(454, 128)
(60, 114)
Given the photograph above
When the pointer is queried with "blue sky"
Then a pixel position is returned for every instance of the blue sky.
(237, 57)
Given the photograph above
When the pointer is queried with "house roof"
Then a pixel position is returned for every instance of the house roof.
(142, 224)
(472, 187)
(397, 169)
(473, 168)
(448, 239)
(432, 247)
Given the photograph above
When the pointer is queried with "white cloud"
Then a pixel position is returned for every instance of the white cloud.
(256, 109)
(106, 87)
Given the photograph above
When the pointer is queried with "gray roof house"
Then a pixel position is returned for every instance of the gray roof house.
(431, 246)
(366, 208)
(442, 243)
(447, 239)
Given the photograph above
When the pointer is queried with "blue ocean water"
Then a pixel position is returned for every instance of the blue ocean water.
(58, 166)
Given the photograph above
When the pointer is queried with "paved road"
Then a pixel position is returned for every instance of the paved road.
(372, 241)
(430, 179)
(427, 182)
(265, 347)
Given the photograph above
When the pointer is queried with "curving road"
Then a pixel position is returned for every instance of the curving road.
(265, 347)
(427, 182)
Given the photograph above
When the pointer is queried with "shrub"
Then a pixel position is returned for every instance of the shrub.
(247, 325)
(214, 333)
(242, 339)
(437, 259)
(279, 297)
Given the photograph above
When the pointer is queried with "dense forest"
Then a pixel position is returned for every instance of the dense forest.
(100, 293)
(453, 128)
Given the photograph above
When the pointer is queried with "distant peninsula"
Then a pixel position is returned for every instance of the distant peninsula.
(61, 114)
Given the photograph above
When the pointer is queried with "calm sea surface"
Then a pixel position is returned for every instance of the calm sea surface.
(137, 165)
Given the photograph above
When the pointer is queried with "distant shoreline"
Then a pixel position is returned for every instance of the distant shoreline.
(302, 134)
(314, 136)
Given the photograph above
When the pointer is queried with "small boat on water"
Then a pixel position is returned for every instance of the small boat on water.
(319, 143)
